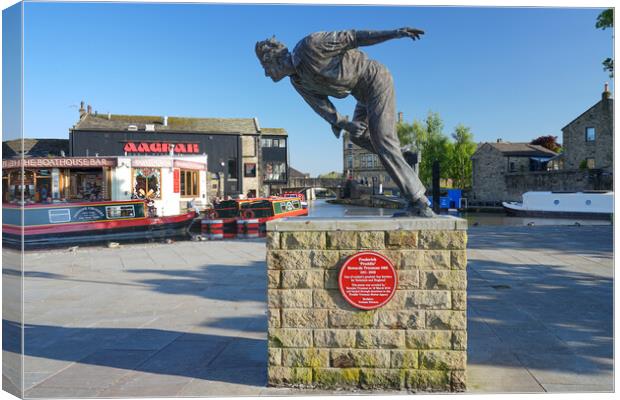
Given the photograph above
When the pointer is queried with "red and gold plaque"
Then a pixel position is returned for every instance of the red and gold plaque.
(367, 280)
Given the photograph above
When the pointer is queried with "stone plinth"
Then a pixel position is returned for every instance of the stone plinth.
(417, 341)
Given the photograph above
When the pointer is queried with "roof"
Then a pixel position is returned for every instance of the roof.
(114, 122)
(293, 173)
(521, 149)
(274, 131)
(34, 147)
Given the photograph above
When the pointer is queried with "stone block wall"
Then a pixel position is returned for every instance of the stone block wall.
(417, 341)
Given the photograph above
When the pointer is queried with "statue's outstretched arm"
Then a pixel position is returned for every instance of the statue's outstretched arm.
(368, 38)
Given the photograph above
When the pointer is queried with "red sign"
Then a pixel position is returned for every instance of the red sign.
(66, 162)
(161, 147)
(367, 280)
(176, 179)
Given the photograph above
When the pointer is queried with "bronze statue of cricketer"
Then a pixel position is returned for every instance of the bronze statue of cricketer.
(327, 64)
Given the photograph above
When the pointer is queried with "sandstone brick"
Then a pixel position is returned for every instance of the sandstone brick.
(346, 358)
(342, 240)
(315, 358)
(425, 259)
(302, 279)
(443, 280)
(459, 340)
(428, 381)
(448, 240)
(413, 319)
(275, 356)
(324, 259)
(290, 298)
(304, 318)
(429, 299)
(376, 378)
(397, 301)
(373, 240)
(273, 240)
(277, 376)
(289, 337)
(330, 299)
(458, 381)
(302, 240)
(273, 279)
(408, 279)
(380, 339)
(459, 300)
(436, 319)
(458, 259)
(404, 359)
(288, 259)
(401, 239)
(336, 377)
(351, 319)
(442, 359)
(334, 338)
(273, 317)
(331, 279)
(423, 339)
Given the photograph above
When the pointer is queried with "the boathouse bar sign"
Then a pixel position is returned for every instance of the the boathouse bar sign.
(367, 280)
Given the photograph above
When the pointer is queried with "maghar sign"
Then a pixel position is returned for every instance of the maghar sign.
(368, 280)
(161, 147)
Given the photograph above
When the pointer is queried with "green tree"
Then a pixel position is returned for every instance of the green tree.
(331, 175)
(435, 146)
(606, 20)
(460, 166)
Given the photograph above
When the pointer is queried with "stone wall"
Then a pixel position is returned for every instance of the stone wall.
(417, 341)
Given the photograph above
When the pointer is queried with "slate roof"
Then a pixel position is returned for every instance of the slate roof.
(523, 149)
(294, 173)
(35, 147)
(115, 122)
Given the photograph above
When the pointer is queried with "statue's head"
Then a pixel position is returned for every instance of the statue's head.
(274, 57)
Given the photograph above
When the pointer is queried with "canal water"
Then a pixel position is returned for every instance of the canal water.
(321, 208)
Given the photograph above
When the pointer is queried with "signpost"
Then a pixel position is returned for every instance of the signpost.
(367, 280)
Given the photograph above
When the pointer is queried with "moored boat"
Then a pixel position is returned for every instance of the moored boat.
(87, 222)
(586, 204)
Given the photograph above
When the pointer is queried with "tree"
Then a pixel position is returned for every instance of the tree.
(549, 142)
(460, 166)
(606, 20)
(331, 175)
(435, 146)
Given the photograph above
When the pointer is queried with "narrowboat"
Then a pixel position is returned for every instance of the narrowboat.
(66, 223)
(247, 218)
(586, 204)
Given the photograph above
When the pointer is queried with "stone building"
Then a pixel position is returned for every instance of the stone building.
(493, 162)
(588, 139)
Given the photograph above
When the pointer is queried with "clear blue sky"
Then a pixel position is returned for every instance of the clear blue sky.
(514, 73)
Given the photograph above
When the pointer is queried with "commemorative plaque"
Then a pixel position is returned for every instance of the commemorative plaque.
(367, 280)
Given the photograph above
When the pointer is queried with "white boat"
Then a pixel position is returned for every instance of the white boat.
(586, 204)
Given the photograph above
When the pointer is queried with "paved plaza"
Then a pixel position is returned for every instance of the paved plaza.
(189, 318)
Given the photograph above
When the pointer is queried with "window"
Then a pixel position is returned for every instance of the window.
(349, 145)
(276, 143)
(350, 161)
(265, 142)
(249, 170)
(512, 166)
(590, 163)
(146, 183)
(275, 171)
(590, 134)
(232, 168)
(189, 183)
(282, 143)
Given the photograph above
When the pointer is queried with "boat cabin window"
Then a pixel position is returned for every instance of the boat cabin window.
(590, 134)
(87, 185)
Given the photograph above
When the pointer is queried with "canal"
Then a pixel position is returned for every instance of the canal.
(322, 209)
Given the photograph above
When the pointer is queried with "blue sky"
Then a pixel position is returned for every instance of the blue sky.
(511, 73)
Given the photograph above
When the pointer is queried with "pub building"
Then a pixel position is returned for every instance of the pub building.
(173, 183)
(239, 162)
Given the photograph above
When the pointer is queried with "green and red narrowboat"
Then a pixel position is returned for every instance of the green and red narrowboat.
(247, 218)
(87, 222)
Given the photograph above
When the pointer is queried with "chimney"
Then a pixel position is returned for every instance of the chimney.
(109, 115)
(606, 94)
(81, 110)
(500, 140)
(89, 109)
(165, 120)
(400, 117)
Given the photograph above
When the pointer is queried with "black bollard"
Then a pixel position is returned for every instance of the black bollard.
(436, 191)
